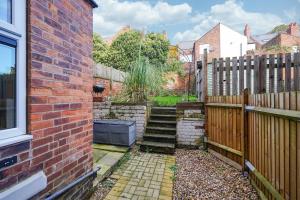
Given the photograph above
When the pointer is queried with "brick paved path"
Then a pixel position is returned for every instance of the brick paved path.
(144, 176)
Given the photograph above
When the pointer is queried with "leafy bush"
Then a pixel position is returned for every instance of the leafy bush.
(127, 47)
(100, 50)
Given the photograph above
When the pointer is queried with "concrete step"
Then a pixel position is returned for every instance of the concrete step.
(157, 147)
(161, 130)
(163, 110)
(163, 117)
(161, 123)
(153, 137)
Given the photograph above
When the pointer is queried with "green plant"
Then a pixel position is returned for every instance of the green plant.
(100, 50)
(142, 80)
(108, 183)
(171, 100)
(128, 47)
(174, 169)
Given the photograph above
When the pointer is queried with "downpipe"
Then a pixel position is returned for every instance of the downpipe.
(77, 181)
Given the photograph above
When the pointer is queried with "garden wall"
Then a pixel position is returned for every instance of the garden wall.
(112, 79)
(138, 113)
(190, 125)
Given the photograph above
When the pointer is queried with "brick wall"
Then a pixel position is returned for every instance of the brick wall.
(177, 83)
(111, 88)
(189, 132)
(137, 113)
(283, 39)
(190, 124)
(212, 38)
(59, 95)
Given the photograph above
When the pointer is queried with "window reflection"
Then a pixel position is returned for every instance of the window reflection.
(6, 10)
(7, 87)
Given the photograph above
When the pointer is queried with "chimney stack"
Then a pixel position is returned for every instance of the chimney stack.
(293, 29)
(247, 31)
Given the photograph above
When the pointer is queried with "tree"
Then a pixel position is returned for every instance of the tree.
(280, 28)
(128, 47)
(100, 50)
(124, 50)
(156, 49)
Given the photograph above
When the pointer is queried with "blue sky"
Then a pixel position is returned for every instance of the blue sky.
(189, 19)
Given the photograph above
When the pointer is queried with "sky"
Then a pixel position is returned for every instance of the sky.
(190, 19)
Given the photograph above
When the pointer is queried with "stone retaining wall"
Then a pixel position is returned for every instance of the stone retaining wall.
(137, 113)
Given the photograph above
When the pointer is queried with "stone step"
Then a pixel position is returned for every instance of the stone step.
(163, 110)
(161, 130)
(161, 123)
(160, 137)
(163, 117)
(157, 147)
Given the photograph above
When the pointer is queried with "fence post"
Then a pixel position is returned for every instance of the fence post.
(204, 75)
(244, 121)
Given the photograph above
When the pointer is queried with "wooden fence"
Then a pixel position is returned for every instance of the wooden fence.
(255, 123)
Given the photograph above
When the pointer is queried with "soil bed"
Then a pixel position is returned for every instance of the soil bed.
(200, 175)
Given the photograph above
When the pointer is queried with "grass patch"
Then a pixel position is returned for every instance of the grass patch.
(174, 169)
(171, 100)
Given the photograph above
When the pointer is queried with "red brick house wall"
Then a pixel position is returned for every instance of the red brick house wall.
(212, 38)
(283, 39)
(59, 91)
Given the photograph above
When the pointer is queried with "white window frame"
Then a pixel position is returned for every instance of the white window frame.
(17, 31)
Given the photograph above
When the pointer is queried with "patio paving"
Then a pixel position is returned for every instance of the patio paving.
(144, 176)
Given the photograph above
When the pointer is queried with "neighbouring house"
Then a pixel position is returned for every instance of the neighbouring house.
(220, 41)
(288, 38)
(186, 51)
(46, 79)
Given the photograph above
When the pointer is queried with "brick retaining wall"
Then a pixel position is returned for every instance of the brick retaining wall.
(190, 124)
(138, 113)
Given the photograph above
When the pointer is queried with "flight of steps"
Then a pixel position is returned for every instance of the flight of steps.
(160, 134)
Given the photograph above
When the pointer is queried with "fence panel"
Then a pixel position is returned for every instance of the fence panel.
(274, 141)
(259, 130)
(224, 126)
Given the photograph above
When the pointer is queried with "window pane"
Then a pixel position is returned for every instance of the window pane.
(7, 87)
(5, 10)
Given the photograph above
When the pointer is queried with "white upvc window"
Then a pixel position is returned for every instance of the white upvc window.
(12, 71)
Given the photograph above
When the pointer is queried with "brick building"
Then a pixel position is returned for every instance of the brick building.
(45, 97)
(287, 38)
(220, 41)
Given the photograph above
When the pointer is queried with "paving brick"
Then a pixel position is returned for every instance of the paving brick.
(150, 181)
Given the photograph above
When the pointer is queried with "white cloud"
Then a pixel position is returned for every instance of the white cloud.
(292, 14)
(114, 14)
(230, 13)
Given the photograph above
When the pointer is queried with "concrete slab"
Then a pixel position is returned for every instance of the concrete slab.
(111, 148)
(106, 157)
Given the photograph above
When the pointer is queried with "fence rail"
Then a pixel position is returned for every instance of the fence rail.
(258, 128)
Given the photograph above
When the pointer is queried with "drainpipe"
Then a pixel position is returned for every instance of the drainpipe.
(77, 181)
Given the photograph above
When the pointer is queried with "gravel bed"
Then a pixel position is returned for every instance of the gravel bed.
(200, 175)
(103, 188)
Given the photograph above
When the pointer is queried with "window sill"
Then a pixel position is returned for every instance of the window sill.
(13, 140)
(26, 189)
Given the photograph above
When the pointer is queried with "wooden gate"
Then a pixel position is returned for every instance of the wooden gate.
(253, 120)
